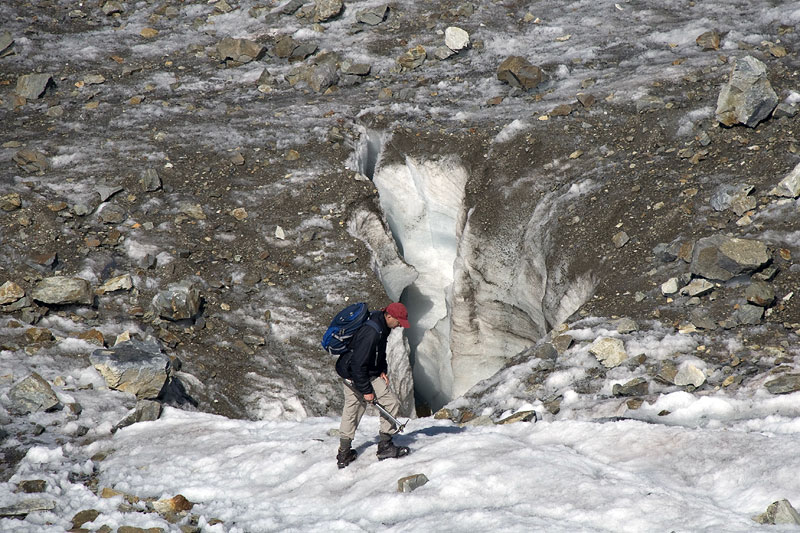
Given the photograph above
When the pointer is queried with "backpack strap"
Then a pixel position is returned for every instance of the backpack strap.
(373, 325)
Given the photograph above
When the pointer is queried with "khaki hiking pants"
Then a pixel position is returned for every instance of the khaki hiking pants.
(355, 405)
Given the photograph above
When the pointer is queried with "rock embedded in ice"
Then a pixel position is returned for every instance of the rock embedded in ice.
(239, 50)
(789, 186)
(10, 202)
(627, 325)
(325, 10)
(62, 290)
(519, 72)
(372, 16)
(456, 39)
(413, 58)
(634, 387)
(780, 512)
(25, 507)
(785, 384)
(609, 351)
(180, 301)
(708, 40)
(32, 86)
(410, 483)
(748, 97)
(688, 374)
(137, 367)
(33, 394)
(82, 517)
(522, 416)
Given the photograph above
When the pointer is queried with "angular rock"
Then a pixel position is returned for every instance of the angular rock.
(82, 517)
(62, 290)
(32, 486)
(522, 416)
(10, 202)
(239, 50)
(181, 301)
(760, 293)
(284, 47)
(669, 287)
(372, 16)
(413, 58)
(780, 512)
(785, 384)
(620, 239)
(25, 507)
(748, 314)
(33, 394)
(112, 7)
(634, 387)
(6, 42)
(410, 483)
(136, 367)
(150, 180)
(325, 10)
(456, 39)
(789, 187)
(688, 374)
(10, 292)
(708, 40)
(609, 351)
(720, 258)
(32, 86)
(748, 97)
(626, 325)
(118, 283)
(38, 335)
(176, 504)
(320, 77)
(31, 161)
(519, 72)
(698, 287)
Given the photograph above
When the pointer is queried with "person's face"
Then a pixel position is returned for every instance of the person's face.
(391, 321)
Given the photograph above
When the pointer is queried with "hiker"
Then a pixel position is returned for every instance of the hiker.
(364, 364)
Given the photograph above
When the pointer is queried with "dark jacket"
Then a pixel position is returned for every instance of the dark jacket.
(366, 358)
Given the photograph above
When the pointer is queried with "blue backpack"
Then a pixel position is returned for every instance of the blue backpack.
(344, 325)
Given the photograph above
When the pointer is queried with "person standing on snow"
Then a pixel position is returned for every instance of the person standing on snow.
(364, 364)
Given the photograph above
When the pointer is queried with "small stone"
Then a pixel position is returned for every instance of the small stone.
(62, 290)
(372, 16)
(634, 387)
(118, 283)
(519, 72)
(456, 39)
(325, 10)
(38, 335)
(669, 287)
(30, 486)
(10, 292)
(413, 58)
(688, 374)
(33, 394)
(150, 180)
(240, 213)
(708, 40)
(31, 161)
(83, 517)
(620, 239)
(10, 202)
(175, 504)
(522, 416)
(148, 33)
(411, 483)
(760, 293)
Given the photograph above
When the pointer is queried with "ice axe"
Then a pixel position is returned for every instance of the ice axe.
(381, 409)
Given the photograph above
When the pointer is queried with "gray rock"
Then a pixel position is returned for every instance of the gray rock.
(701, 319)
(112, 214)
(760, 293)
(785, 110)
(25, 507)
(6, 42)
(355, 69)
(620, 239)
(789, 187)
(33, 394)
(442, 52)
(372, 16)
(410, 483)
(105, 191)
(137, 367)
(239, 50)
(609, 351)
(522, 416)
(291, 7)
(649, 103)
(688, 374)
(626, 325)
(320, 77)
(32, 86)
(302, 51)
(325, 10)
(145, 411)
(666, 252)
(721, 258)
(181, 301)
(562, 343)
(519, 72)
(780, 512)
(284, 47)
(150, 180)
(62, 290)
(546, 351)
(669, 287)
(698, 287)
(748, 97)
(748, 314)
(634, 387)
(112, 7)
(785, 384)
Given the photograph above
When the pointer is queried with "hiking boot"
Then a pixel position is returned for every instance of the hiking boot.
(389, 450)
(345, 457)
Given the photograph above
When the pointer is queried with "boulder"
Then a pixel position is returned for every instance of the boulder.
(62, 290)
(519, 72)
(720, 258)
(609, 351)
(32, 86)
(780, 512)
(181, 301)
(748, 97)
(137, 367)
(33, 394)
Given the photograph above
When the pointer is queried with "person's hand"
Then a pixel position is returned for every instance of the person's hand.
(369, 397)
(385, 378)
